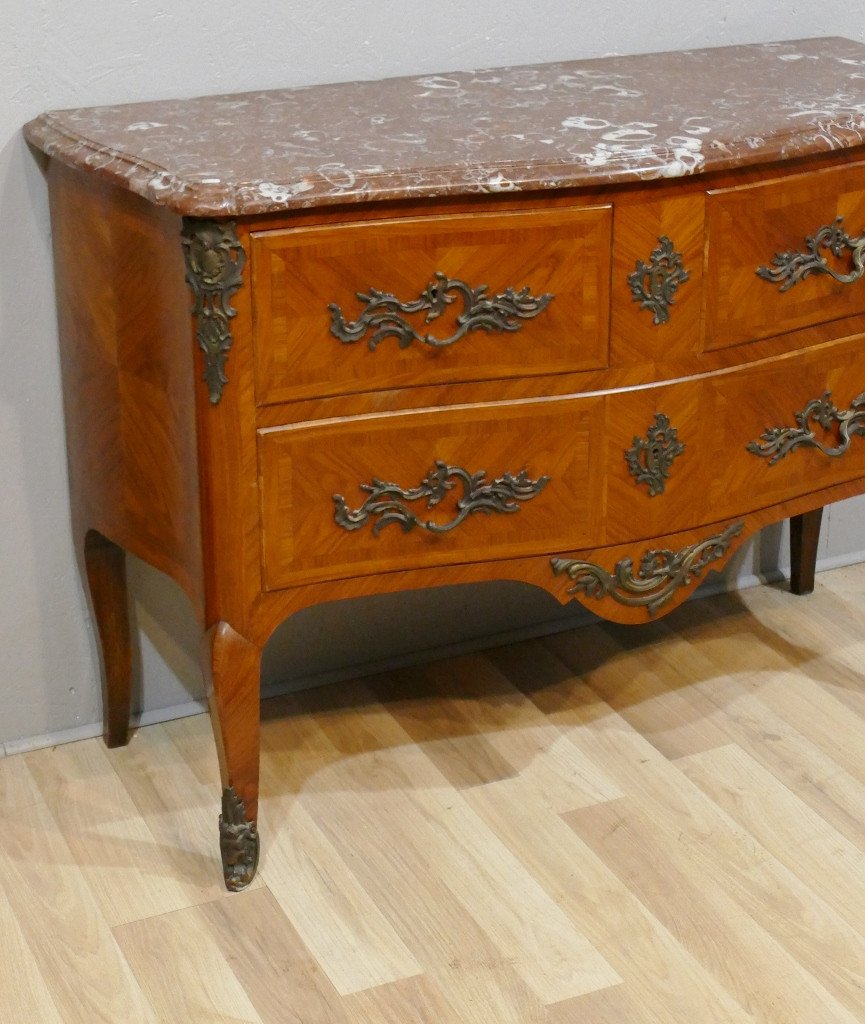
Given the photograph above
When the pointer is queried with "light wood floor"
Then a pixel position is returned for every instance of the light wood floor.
(612, 826)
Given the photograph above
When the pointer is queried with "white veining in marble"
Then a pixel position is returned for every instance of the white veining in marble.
(537, 127)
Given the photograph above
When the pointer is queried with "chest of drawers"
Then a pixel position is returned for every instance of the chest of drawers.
(584, 325)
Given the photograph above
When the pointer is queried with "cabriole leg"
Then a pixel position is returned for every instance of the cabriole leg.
(105, 565)
(804, 538)
(232, 670)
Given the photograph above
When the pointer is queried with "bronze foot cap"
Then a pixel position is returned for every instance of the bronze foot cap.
(238, 842)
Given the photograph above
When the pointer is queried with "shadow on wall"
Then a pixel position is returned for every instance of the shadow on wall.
(354, 637)
(343, 638)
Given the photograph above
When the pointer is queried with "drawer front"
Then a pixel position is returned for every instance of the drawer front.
(373, 494)
(788, 230)
(778, 433)
(376, 305)
(380, 493)
(716, 447)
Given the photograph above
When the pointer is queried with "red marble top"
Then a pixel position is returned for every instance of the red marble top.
(544, 126)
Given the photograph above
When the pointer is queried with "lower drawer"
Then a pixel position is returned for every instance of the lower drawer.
(732, 442)
(378, 493)
(431, 487)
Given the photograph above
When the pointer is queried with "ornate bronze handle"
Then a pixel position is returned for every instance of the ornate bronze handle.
(777, 442)
(650, 459)
(654, 284)
(480, 313)
(789, 268)
(659, 576)
(385, 503)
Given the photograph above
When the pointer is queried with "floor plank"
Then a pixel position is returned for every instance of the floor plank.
(180, 965)
(110, 841)
(83, 972)
(699, 911)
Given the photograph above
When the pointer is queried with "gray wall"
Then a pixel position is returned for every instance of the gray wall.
(55, 54)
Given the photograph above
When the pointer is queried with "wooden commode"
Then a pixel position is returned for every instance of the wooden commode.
(586, 325)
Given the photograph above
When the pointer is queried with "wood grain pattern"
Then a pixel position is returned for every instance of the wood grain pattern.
(299, 272)
(53, 907)
(126, 356)
(747, 226)
(275, 606)
(804, 540)
(104, 827)
(181, 811)
(172, 954)
(105, 570)
(664, 369)
(640, 222)
(232, 670)
(683, 804)
(304, 467)
(716, 416)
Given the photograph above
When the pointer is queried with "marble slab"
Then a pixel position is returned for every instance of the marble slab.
(547, 126)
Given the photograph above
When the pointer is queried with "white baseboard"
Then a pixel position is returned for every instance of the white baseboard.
(87, 732)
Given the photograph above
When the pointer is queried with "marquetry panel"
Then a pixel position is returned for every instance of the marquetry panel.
(298, 273)
(680, 497)
(743, 406)
(128, 375)
(715, 418)
(748, 225)
(637, 333)
(303, 467)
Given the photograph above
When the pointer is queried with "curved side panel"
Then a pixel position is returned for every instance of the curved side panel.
(129, 397)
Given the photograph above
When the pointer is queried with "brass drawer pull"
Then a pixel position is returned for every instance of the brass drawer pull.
(654, 284)
(385, 504)
(480, 313)
(780, 441)
(650, 458)
(659, 576)
(789, 268)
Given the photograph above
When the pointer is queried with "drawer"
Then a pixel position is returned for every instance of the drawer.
(719, 446)
(367, 306)
(789, 230)
(458, 468)
(381, 493)
(769, 422)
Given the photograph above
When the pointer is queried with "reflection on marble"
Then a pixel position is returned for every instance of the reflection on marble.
(545, 126)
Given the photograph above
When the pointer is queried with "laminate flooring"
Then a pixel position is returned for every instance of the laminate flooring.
(663, 825)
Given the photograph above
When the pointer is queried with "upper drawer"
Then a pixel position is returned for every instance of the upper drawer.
(770, 248)
(430, 300)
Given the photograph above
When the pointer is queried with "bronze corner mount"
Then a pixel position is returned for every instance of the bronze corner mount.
(214, 261)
